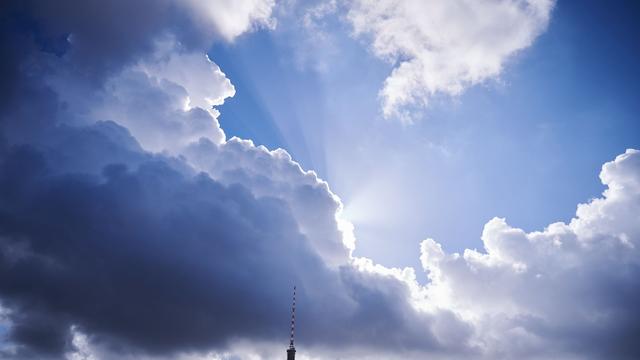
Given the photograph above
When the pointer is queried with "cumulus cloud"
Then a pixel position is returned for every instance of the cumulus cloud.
(157, 261)
(443, 47)
(274, 173)
(570, 289)
(167, 101)
(147, 238)
(129, 226)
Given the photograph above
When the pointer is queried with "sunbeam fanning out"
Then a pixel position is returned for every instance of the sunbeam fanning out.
(171, 170)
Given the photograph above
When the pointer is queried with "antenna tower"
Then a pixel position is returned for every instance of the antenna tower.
(291, 351)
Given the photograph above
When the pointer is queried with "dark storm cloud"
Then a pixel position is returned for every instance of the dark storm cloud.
(104, 35)
(610, 331)
(136, 257)
(151, 260)
(135, 249)
(148, 257)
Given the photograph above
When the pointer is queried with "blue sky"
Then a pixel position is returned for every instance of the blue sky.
(526, 146)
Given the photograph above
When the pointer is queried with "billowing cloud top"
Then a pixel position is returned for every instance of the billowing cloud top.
(130, 227)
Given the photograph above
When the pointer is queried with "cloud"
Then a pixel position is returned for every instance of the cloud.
(274, 173)
(153, 260)
(95, 253)
(131, 228)
(232, 18)
(106, 34)
(443, 47)
(154, 250)
(149, 49)
(570, 289)
(167, 100)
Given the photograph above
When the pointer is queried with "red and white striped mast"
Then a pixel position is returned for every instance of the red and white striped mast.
(291, 351)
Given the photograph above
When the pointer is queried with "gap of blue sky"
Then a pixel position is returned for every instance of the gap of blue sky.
(527, 147)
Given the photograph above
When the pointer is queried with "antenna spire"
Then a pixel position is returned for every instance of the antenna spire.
(291, 352)
(293, 318)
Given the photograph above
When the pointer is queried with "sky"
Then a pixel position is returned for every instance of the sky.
(467, 157)
(441, 179)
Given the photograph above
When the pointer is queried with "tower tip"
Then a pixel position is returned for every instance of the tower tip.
(293, 320)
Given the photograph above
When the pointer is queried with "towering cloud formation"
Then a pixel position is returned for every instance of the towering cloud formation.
(444, 46)
(130, 227)
(128, 221)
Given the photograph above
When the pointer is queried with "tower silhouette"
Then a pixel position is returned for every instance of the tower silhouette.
(291, 351)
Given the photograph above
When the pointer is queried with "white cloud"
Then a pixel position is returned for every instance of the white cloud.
(202, 79)
(167, 99)
(164, 91)
(444, 46)
(231, 18)
(275, 174)
(568, 291)
(570, 288)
